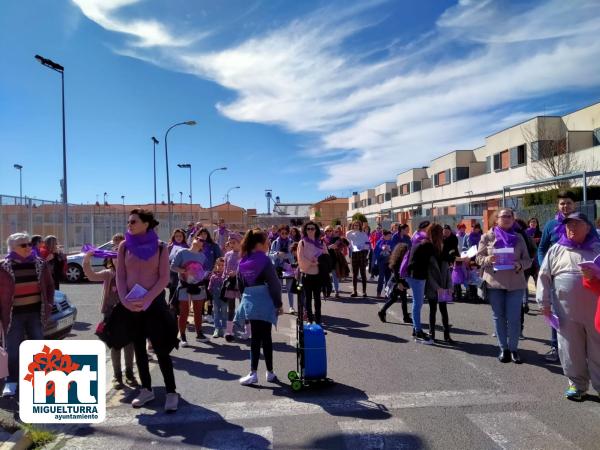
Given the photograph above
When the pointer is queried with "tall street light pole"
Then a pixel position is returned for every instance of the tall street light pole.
(124, 215)
(60, 69)
(180, 198)
(210, 194)
(19, 167)
(154, 142)
(169, 209)
(229, 190)
(189, 166)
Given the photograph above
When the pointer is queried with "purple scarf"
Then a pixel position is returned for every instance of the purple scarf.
(144, 246)
(505, 238)
(559, 229)
(474, 238)
(587, 244)
(460, 233)
(14, 256)
(222, 230)
(252, 265)
(419, 236)
(97, 252)
(531, 231)
(313, 242)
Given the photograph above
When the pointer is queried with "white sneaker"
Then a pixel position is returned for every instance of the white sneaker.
(10, 389)
(292, 311)
(183, 344)
(143, 397)
(271, 377)
(251, 378)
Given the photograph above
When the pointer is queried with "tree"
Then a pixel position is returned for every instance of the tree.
(360, 217)
(550, 154)
(336, 222)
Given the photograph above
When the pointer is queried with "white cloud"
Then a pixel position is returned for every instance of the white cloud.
(148, 33)
(375, 118)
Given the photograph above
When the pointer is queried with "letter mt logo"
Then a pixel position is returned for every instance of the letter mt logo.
(62, 381)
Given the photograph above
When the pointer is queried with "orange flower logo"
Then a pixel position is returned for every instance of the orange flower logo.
(47, 361)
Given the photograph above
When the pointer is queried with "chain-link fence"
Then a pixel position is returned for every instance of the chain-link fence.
(93, 224)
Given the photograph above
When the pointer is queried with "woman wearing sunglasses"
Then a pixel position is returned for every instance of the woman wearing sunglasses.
(309, 250)
(142, 276)
(26, 299)
(504, 257)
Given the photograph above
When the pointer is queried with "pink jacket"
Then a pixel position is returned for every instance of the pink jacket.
(7, 291)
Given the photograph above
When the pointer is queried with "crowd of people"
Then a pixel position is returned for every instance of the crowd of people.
(237, 283)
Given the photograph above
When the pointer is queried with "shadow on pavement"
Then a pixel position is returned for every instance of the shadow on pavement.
(351, 328)
(202, 370)
(338, 400)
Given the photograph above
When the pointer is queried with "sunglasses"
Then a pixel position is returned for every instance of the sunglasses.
(310, 229)
(27, 244)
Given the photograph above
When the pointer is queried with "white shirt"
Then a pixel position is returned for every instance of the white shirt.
(359, 240)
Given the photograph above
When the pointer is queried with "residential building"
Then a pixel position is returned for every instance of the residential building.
(329, 210)
(470, 183)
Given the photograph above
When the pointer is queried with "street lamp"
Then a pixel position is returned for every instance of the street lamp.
(470, 194)
(180, 198)
(170, 221)
(105, 194)
(60, 69)
(189, 166)
(229, 190)
(154, 142)
(210, 194)
(124, 215)
(19, 167)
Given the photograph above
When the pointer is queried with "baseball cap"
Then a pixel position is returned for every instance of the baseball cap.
(576, 216)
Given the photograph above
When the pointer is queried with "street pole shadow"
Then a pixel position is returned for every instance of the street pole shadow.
(404, 441)
(339, 400)
(354, 329)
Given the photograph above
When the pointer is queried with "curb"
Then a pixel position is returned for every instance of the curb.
(17, 441)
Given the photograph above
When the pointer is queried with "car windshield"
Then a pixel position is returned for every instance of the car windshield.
(107, 246)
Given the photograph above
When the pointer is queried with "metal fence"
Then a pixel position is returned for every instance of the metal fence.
(93, 224)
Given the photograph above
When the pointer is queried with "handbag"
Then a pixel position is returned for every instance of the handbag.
(3, 354)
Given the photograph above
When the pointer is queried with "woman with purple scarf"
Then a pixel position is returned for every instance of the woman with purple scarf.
(142, 276)
(561, 289)
(504, 257)
(474, 236)
(26, 299)
(261, 301)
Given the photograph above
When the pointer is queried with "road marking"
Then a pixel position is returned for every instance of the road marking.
(518, 430)
(377, 435)
(239, 439)
(285, 407)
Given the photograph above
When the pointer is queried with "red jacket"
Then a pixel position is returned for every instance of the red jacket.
(594, 286)
(7, 291)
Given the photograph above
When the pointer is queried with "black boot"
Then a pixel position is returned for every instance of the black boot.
(447, 337)
(407, 318)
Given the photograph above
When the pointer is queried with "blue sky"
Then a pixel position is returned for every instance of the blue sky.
(306, 98)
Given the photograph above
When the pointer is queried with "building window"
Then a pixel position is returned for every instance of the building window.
(442, 178)
(596, 137)
(501, 161)
(416, 186)
(517, 156)
(460, 173)
(547, 149)
(488, 164)
(388, 196)
(405, 189)
(394, 192)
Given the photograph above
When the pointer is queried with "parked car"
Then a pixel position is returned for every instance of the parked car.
(75, 264)
(64, 314)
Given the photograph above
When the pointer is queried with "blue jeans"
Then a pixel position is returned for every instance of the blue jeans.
(22, 324)
(336, 282)
(506, 308)
(384, 276)
(418, 292)
(290, 294)
(220, 313)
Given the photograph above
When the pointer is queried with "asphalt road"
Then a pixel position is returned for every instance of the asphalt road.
(389, 391)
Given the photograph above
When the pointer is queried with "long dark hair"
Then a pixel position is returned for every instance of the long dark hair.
(398, 255)
(208, 239)
(435, 233)
(317, 230)
(251, 239)
(145, 216)
(175, 231)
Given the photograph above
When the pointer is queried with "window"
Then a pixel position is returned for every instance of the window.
(596, 137)
(517, 156)
(380, 198)
(488, 164)
(501, 161)
(547, 149)
(442, 178)
(415, 186)
(388, 196)
(405, 189)
(395, 192)
(460, 173)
